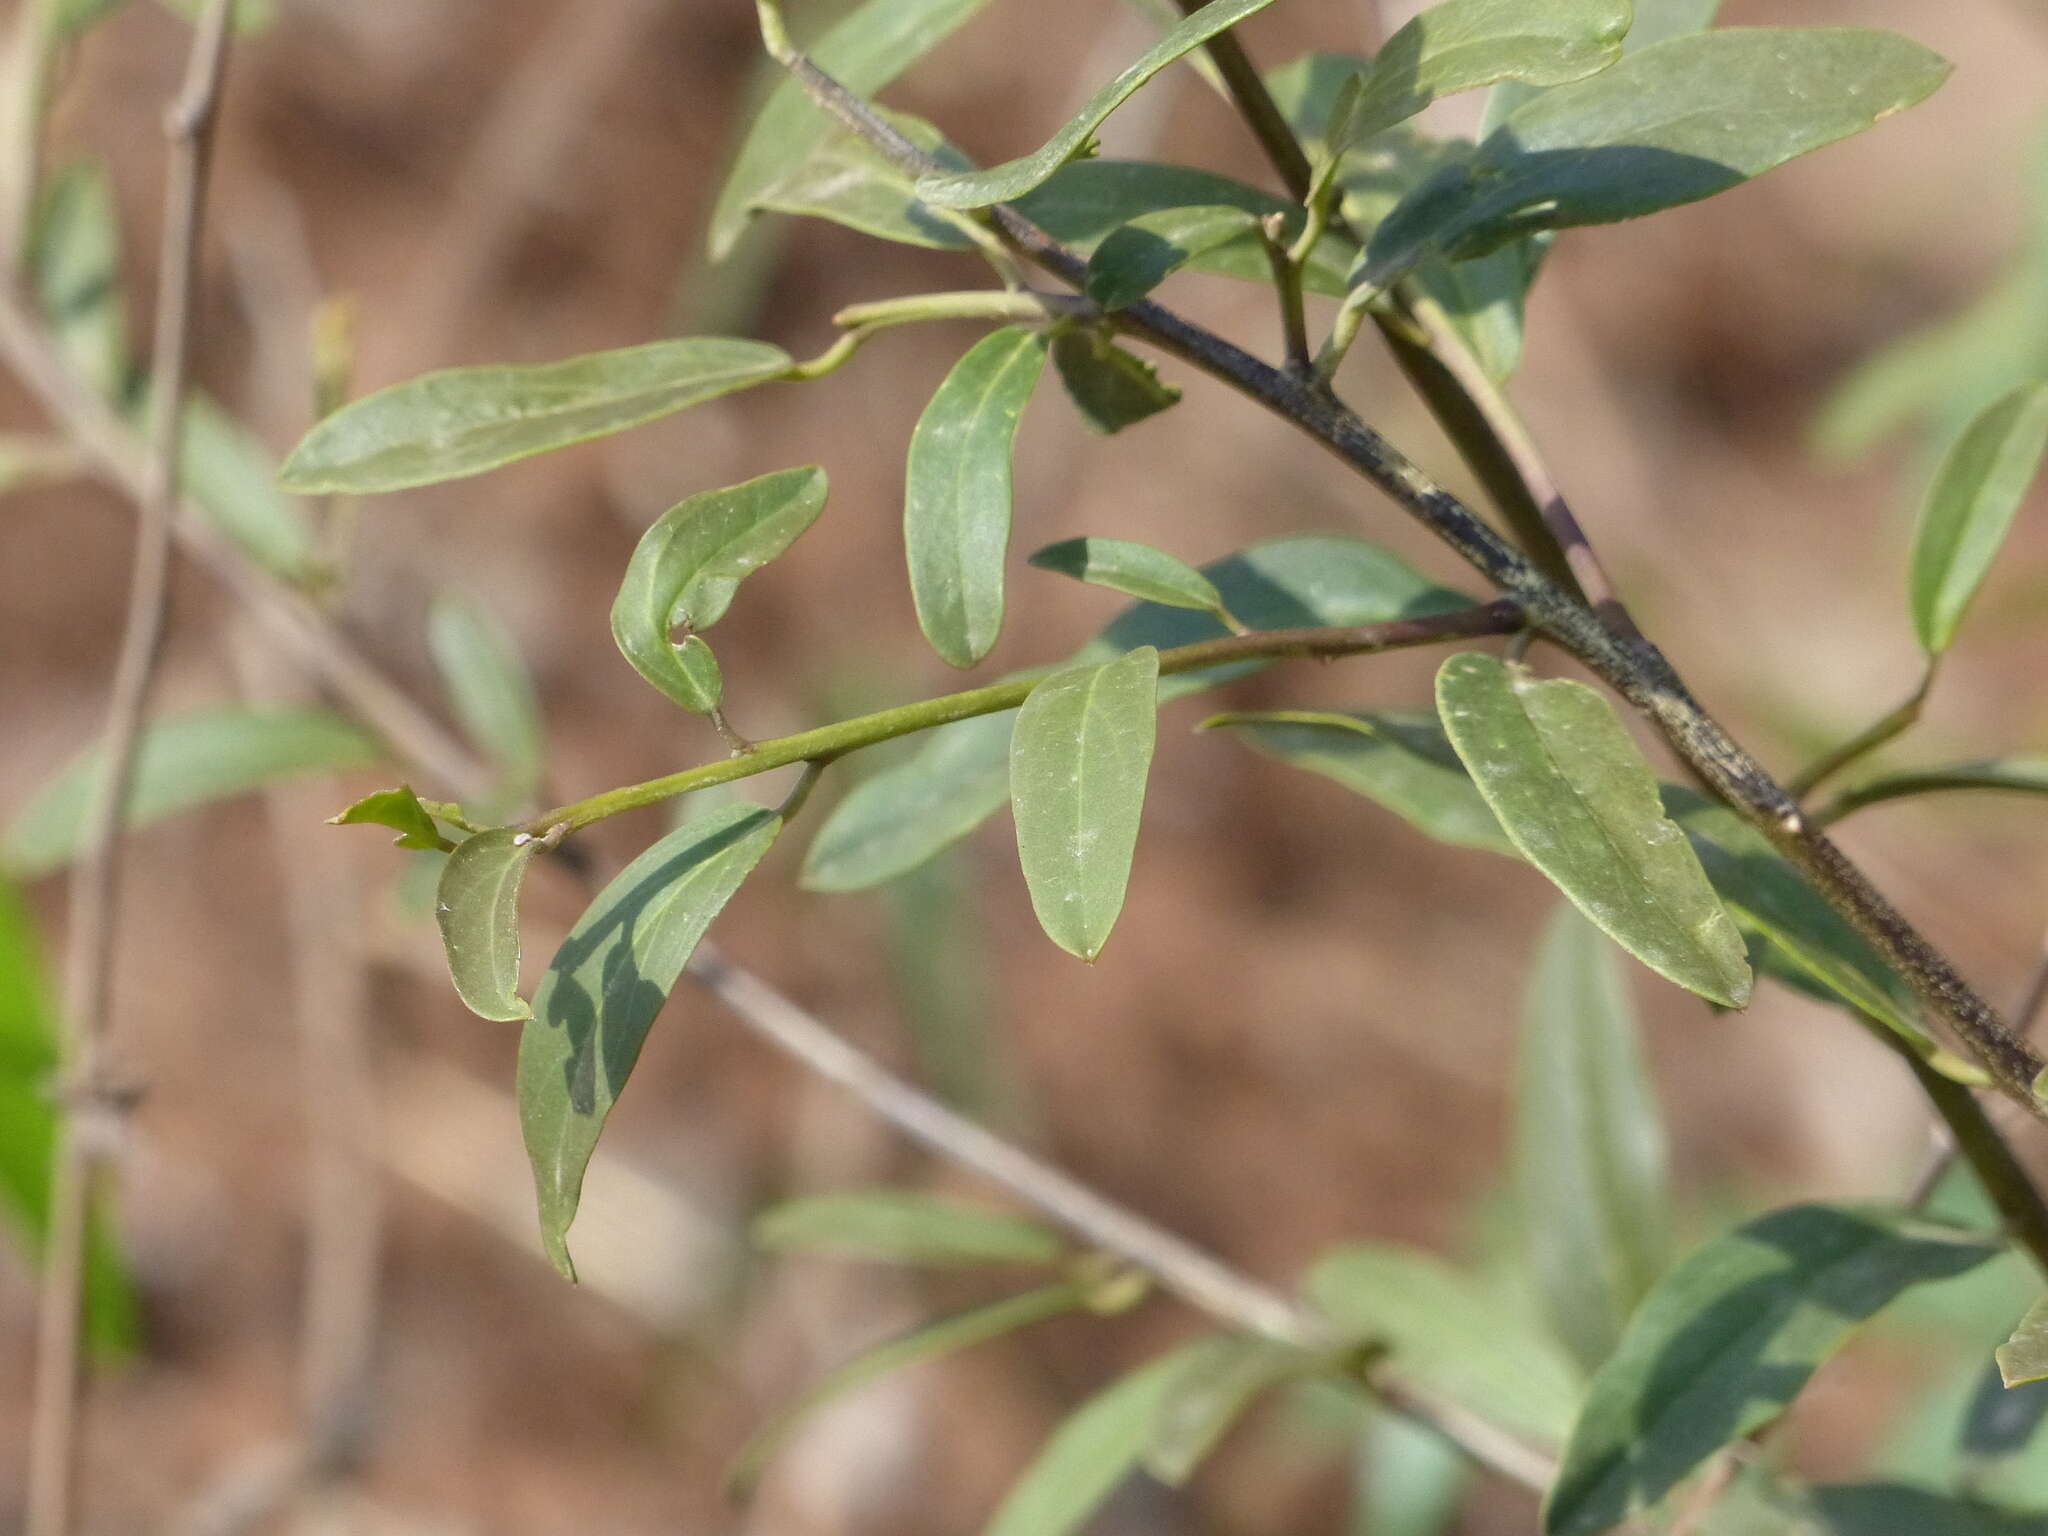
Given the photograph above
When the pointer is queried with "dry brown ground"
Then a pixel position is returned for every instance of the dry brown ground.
(1302, 1031)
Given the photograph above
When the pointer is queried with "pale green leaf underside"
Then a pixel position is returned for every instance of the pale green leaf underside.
(1079, 760)
(477, 907)
(463, 421)
(898, 1226)
(185, 760)
(957, 492)
(977, 189)
(1574, 794)
(1215, 1386)
(607, 983)
(1977, 492)
(1136, 570)
(1729, 1337)
(2024, 1357)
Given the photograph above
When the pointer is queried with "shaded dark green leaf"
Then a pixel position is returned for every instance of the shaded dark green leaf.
(901, 1226)
(1670, 124)
(999, 184)
(1729, 1337)
(184, 761)
(1574, 794)
(1896, 1509)
(864, 52)
(2001, 1421)
(1215, 1384)
(491, 690)
(607, 983)
(1079, 760)
(1136, 570)
(401, 811)
(1970, 508)
(1140, 255)
(1110, 387)
(1402, 762)
(463, 421)
(1589, 1160)
(477, 906)
(688, 565)
(957, 489)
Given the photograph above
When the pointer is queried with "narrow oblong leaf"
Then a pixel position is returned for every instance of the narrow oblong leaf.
(1217, 1382)
(1589, 1159)
(73, 260)
(977, 189)
(2024, 1357)
(1970, 507)
(2013, 775)
(901, 1226)
(1672, 123)
(228, 470)
(184, 761)
(933, 1341)
(401, 811)
(1402, 762)
(1095, 1448)
(688, 565)
(1079, 760)
(1110, 387)
(1574, 794)
(1140, 255)
(1728, 1338)
(607, 982)
(1444, 1330)
(491, 690)
(477, 906)
(866, 50)
(1900, 1509)
(956, 502)
(463, 421)
(1136, 570)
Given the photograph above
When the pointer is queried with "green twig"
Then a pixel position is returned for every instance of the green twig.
(1287, 285)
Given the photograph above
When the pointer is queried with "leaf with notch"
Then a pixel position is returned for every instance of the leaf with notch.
(1729, 1337)
(1574, 794)
(688, 565)
(1970, 508)
(869, 48)
(185, 761)
(607, 982)
(1137, 257)
(1111, 388)
(901, 1226)
(978, 189)
(477, 906)
(1670, 124)
(463, 421)
(401, 811)
(957, 491)
(1078, 764)
(1136, 570)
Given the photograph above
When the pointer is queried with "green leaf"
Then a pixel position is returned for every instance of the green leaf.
(2016, 775)
(1970, 508)
(184, 761)
(2024, 1357)
(477, 906)
(1485, 297)
(978, 189)
(29, 1068)
(1894, 1509)
(1772, 898)
(1093, 1450)
(1137, 257)
(463, 421)
(1670, 124)
(1727, 1340)
(1091, 199)
(1574, 794)
(1590, 1169)
(1217, 1381)
(959, 777)
(74, 269)
(71, 18)
(688, 565)
(900, 1226)
(1136, 570)
(1401, 762)
(492, 693)
(1410, 1481)
(1111, 388)
(1444, 1331)
(600, 996)
(846, 181)
(956, 506)
(1461, 45)
(400, 810)
(2001, 1422)
(864, 52)
(251, 16)
(233, 477)
(1078, 765)
(934, 1341)
(699, 680)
